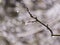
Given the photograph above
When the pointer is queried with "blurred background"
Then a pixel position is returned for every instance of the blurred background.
(18, 28)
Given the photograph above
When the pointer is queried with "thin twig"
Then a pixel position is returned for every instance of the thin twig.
(39, 21)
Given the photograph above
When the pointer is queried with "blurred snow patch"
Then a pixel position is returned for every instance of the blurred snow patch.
(53, 12)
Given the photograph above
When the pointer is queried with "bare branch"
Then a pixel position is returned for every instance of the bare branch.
(40, 21)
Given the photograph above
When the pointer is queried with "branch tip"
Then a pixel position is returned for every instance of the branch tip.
(40, 22)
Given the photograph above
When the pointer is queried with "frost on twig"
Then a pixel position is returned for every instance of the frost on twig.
(40, 21)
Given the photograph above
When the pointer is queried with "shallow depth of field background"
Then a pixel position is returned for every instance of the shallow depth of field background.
(24, 30)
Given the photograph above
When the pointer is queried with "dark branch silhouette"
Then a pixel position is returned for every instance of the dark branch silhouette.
(39, 21)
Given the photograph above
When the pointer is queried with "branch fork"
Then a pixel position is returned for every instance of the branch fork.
(41, 22)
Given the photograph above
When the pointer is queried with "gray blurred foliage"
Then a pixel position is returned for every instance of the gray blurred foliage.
(18, 28)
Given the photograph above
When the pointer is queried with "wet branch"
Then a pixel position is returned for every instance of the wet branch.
(40, 21)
